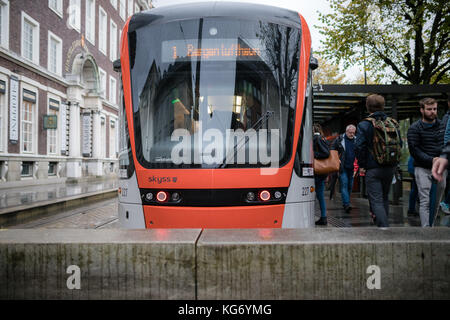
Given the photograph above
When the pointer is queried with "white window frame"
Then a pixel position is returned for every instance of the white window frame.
(136, 8)
(53, 131)
(3, 118)
(122, 9)
(74, 19)
(35, 35)
(103, 136)
(34, 123)
(130, 8)
(90, 22)
(59, 7)
(112, 90)
(58, 40)
(112, 40)
(112, 138)
(102, 31)
(113, 3)
(102, 76)
(4, 27)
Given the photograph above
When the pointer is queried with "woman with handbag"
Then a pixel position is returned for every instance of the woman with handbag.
(321, 151)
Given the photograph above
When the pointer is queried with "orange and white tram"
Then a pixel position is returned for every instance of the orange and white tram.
(216, 118)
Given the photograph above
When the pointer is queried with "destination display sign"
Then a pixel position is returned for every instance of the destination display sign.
(211, 50)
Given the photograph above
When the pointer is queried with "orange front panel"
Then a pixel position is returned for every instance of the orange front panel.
(214, 178)
(221, 217)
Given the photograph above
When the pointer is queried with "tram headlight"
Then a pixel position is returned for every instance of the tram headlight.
(264, 195)
(149, 196)
(251, 196)
(161, 196)
(175, 196)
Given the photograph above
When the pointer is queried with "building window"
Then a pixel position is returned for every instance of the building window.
(52, 134)
(103, 137)
(113, 41)
(75, 14)
(112, 90)
(114, 3)
(56, 6)
(130, 7)
(54, 54)
(112, 139)
(27, 168)
(102, 78)
(4, 23)
(30, 38)
(27, 126)
(90, 21)
(3, 123)
(122, 9)
(102, 30)
(52, 166)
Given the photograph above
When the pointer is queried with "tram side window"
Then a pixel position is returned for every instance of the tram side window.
(126, 167)
(305, 153)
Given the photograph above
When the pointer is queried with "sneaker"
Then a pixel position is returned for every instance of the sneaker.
(444, 207)
(321, 222)
(347, 208)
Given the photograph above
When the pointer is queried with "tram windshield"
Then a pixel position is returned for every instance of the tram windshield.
(214, 93)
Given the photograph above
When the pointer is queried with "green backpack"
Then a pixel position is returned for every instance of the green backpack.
(386, 141)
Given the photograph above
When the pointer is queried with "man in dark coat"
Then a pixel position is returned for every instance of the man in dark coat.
(425, 141)
(345, 145)
(378, 178)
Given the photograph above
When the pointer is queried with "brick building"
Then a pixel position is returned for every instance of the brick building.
(58, 91)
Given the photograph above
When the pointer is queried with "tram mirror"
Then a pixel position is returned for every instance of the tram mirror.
(313, 63)
(116, 65)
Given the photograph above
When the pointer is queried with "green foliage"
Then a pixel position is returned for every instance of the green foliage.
(409, 37)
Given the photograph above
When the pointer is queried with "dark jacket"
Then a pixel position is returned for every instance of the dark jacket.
(425, 143)
(364, 142)
(339, 145)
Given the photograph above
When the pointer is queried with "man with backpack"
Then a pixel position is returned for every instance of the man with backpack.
(425, 141)
(377, 148)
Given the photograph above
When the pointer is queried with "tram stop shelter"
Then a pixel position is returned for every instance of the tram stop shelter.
(335, 106)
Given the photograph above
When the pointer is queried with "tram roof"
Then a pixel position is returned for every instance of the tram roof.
(235, 10)
(339, 102)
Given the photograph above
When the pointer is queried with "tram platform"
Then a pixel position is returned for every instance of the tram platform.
(23, 204)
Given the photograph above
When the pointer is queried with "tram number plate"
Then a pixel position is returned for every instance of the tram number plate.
(305, 191)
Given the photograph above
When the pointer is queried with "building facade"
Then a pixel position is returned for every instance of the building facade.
(58, 91)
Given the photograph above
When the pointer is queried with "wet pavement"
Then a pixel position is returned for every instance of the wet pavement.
(359, 216)
(34, 195)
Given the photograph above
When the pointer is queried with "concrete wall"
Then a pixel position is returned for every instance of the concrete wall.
(410, 263)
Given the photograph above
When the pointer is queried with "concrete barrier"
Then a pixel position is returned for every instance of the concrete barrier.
(326, 263)
(105, 264)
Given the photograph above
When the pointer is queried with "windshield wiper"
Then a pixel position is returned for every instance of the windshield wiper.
(258, 124)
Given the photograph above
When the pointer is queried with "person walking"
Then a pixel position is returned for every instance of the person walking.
(345, 144)
(321, 151)
(378, 158)
(425, 141)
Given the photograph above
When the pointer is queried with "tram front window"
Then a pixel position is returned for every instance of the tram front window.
(213, 92)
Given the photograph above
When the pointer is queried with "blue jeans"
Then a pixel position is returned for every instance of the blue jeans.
(346, 182)
(320, 188)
